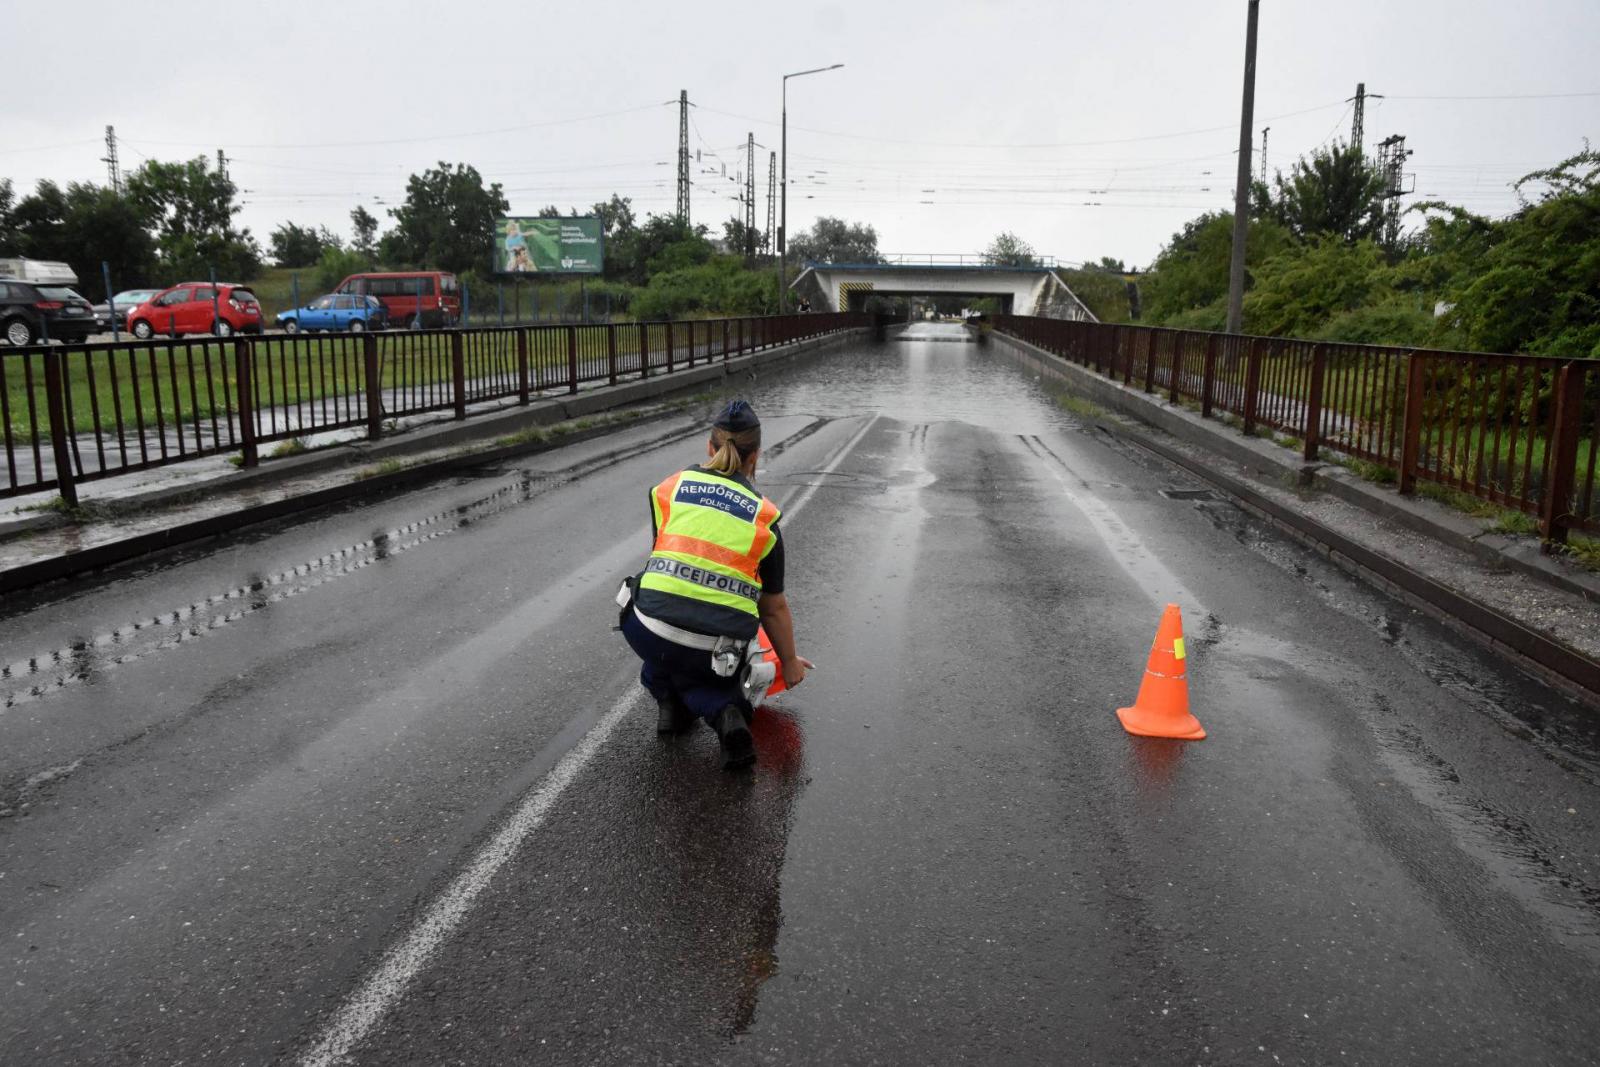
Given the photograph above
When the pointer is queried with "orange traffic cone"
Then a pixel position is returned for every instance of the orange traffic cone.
(778, 684)
(1162, 708)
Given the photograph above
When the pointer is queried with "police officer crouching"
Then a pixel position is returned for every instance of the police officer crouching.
(714, 575)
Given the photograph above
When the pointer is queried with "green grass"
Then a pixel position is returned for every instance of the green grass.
(1585, 551)
(387, 466)
(533, 435)
(292, 447)
(287, 372)
(1519, 523)
(1080, 406)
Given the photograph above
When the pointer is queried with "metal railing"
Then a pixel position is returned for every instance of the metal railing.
(77, 413)
(948, 259)
(1519, 432)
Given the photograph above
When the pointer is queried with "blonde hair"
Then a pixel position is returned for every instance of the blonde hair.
(731, 448)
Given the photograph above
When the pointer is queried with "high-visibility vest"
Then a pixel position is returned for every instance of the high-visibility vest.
(712, 532)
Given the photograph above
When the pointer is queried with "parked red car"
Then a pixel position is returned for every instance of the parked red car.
(399, 291)
(197, 307)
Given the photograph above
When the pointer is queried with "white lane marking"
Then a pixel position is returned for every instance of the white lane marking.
(1127, 548)
(388, 982)
(833, 465)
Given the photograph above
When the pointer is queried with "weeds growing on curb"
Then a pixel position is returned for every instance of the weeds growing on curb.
(1584, 551)
(86, 511)
(388, 466)
(292, 447)
(1080, 406)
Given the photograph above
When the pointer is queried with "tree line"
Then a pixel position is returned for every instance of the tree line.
(177, 221)
(1323, 264)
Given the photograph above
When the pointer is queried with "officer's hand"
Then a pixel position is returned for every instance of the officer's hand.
(794, 671)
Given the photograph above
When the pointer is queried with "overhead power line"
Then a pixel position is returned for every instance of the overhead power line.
(429, 137)
(1019, 145)
(1501, 96)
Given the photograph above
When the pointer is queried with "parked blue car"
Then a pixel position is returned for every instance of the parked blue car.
(338, 312)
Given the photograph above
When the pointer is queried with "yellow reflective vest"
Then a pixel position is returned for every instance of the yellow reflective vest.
(712, 532)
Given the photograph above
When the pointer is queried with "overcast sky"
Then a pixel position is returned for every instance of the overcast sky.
(1088, 129)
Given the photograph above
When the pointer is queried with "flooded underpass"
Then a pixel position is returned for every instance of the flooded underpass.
(378, 786)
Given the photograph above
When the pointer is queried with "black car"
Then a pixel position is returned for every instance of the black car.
(30, 313)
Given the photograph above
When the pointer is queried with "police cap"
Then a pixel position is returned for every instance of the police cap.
(737, 417)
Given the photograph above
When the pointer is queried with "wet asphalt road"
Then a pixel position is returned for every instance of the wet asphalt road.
(327, 734)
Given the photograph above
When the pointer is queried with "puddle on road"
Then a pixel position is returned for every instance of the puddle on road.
(53, 670)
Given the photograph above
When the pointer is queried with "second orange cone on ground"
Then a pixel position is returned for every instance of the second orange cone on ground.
(1162, 707)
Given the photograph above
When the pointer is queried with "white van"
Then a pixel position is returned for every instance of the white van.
(38, 271)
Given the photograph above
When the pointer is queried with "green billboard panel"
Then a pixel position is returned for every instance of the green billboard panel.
(548, 246)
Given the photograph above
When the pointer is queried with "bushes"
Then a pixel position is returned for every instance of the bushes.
(721, 286)
(337, 264)
(1395, 323)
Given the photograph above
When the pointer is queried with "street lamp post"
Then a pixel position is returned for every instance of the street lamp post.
(783, 181)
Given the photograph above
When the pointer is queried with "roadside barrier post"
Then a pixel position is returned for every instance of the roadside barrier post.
(1208, 375)
(1313, 426)
(245, 389)
(644, 351)
(1180, 341)
(1411, 428)
(60, 426)
(1252, 385)
(1556, 517)
(1152, 341)
(458, 373)
(724, 340)
(669, 347)
(611, 353)
(522, 366)
(372, 371)
(572, 359)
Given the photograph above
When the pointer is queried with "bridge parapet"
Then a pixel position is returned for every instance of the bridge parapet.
(1031, 290)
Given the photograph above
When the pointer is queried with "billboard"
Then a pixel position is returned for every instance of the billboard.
(548, 246)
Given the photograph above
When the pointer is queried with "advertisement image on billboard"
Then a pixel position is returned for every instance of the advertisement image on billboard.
(548, 246)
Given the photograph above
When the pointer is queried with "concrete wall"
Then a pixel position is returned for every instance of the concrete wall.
(1030, 292)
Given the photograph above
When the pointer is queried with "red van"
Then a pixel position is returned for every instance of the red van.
(405, 295)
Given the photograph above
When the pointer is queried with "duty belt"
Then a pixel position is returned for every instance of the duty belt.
(669, 632)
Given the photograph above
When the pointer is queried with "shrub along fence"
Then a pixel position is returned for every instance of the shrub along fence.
(75, 413)
(1516, 431)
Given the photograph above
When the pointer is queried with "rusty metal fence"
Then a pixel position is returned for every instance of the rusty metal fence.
(1519, 432)
(76, 413)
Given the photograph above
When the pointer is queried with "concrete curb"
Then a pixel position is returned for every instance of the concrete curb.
(1570, 669)
(1276, 464)
(486, 427)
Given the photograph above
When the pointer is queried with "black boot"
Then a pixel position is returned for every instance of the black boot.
(673, 717)
(738, 748)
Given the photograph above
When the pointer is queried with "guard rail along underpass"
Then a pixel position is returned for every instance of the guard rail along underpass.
(76, 413)
(1515, 431)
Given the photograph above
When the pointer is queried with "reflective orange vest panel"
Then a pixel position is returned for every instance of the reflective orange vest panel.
(712, 532)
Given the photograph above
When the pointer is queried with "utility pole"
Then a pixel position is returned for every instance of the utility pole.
(1392, 156)
(750, 199)
(772, 203)
(683, 156)
(1358, 115)
(222, 164)
(113, 169)
(1264, 131)
(1241, 192)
